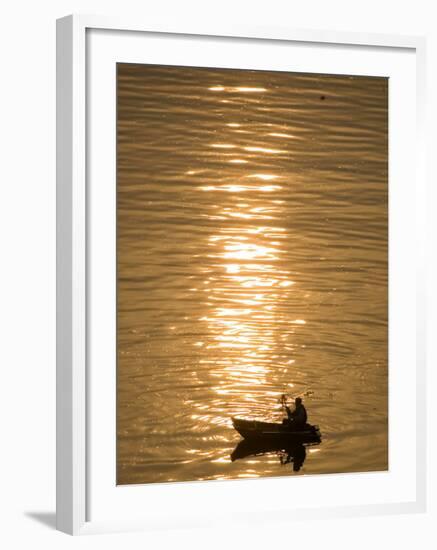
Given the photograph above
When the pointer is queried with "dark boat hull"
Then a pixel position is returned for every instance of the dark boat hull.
(253, 429)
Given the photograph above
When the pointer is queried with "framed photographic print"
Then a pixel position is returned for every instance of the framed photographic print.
(240, 274)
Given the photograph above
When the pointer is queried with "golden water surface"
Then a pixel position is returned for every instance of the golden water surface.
(252, 261)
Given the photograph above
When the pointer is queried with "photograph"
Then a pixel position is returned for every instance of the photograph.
(252, 273)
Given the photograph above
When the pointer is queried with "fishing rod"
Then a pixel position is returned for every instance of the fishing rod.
(285, 396)
(283, 401)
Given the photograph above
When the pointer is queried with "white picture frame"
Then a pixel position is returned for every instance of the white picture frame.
(74, 396)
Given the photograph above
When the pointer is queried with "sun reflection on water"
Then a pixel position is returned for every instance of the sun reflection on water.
(244, 89)
(245, 320)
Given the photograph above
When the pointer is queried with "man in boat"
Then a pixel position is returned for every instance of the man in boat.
(297, 418)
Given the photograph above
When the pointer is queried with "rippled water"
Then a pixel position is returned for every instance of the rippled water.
(252, 261)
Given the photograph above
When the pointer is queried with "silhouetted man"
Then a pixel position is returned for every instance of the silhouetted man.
(298, 417)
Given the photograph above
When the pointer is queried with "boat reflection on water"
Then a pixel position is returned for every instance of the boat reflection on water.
(283, 439)
(289, 452)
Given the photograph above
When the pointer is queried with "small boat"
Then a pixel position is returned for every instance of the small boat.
(254, 429)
